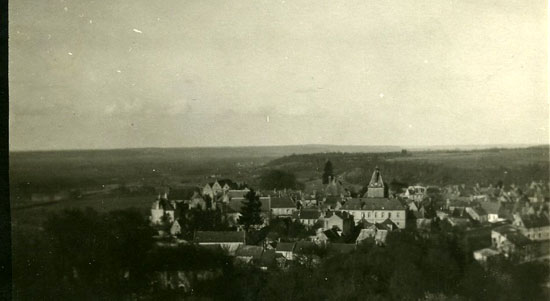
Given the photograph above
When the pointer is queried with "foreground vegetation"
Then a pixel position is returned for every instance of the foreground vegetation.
(83, 254)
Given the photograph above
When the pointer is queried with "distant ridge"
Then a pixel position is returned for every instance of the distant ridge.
(277, 150)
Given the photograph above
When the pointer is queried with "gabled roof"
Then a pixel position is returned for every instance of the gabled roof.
(332, 235)
(365, 224)
(310, 214)
(282, 202)
(249, 251)
(534, 221)
(303, 246)
(268, 257)
(219, 236)
(513, 234)
(372, 204)
(285, 247)
(388, 222)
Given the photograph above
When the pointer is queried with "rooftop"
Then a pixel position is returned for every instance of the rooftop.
(219, 236)
(373, 204)
(282, 202)
(285, 247)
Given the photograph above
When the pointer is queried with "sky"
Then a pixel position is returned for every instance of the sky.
(183, 73)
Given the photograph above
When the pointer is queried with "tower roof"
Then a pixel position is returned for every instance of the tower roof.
(376, 179)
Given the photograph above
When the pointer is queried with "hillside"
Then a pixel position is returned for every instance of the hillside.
(519, 166)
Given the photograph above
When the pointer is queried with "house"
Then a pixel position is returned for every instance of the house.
(218, 187)
(282, 206)
(249, 254)
(534, 226)
(339, 220)
(308, 217)
(457, 203)
(268, 259)
(477, 214)
(196, 201)
(376, 231)
(162, 210)
(333, 202)
(237, 204)
(227, 240)
(509, 241)
(415, 193)
(306, 252)
(286, 249)
(492, 209)
(375, 210)
(175, 229)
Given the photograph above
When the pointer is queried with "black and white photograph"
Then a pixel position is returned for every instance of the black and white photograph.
(278, 150)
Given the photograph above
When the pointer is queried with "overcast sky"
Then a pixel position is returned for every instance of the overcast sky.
(114, 74)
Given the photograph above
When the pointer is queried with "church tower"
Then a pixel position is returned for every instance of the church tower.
(376, 185)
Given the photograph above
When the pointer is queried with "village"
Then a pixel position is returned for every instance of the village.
(278, 228)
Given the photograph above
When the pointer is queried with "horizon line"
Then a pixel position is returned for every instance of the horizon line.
(406, 147)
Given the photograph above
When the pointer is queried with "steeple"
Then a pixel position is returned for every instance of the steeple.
(376, 179)
(376, 185)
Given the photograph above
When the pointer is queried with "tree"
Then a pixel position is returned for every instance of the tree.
(328, 172)
(278, 179)
(250, 211)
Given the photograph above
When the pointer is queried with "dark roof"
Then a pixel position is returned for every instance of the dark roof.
(490, 207)
(332, 200)
(373, 204)
(268, 257)
(513, 235)
(237, 204)
(237, 193)
(332, 235)
(534, 221)
(340, 214)
(479, 210)
(310, 214)
(282, 202)
(365, 224)
(219, 236)
(285, 246)
(389, 222)
(341, 248)
(249, 251)
(303, 245)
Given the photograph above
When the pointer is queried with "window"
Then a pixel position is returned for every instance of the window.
(389, 214)
(368, 214)
(382, 214)
(375, 215)
(397, 214)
